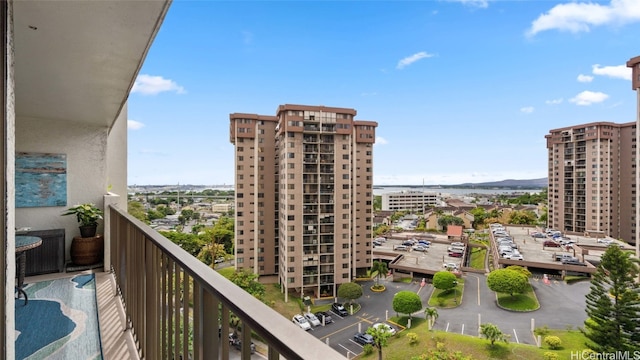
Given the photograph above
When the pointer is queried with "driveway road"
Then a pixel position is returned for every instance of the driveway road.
(562, 305)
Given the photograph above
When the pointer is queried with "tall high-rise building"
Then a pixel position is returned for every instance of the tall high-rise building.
(304, 196)
(592, 179)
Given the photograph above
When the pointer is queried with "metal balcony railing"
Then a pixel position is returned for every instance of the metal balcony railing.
(165, 290)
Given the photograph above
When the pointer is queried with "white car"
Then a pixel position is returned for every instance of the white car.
(312, 319)
(605, 241)
(301, 321)
(450, 266)
(389, 329)
(514, 257)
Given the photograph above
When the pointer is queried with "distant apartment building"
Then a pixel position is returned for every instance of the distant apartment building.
(409, 200)
(592, 185)
(221, 208)
(304, 196)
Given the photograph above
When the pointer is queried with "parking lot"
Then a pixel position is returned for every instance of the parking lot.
(376, 307)
(562, 305)
(532, 249)
(431, 260)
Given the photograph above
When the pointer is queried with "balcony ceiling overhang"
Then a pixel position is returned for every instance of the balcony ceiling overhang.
(77, 60)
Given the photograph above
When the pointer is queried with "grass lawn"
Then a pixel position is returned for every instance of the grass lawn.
(448, 298)
(572, 341)
(399, 347)
(526, 301)
(226, 272)
(478, 256)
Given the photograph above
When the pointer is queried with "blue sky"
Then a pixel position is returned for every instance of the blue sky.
(463, 91)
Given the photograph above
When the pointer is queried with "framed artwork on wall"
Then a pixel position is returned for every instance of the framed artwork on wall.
(41, 179)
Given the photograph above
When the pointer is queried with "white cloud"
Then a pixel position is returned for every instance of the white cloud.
(587, 98)
(618, 71)
(475, 3)
(381, 141)
(134, 125)
(152, 85)
(413, 58)
(582, 16)
(585, 78)
(527, 109)
(554, 101)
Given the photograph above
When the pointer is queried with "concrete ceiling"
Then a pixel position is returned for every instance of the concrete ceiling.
(77, 60)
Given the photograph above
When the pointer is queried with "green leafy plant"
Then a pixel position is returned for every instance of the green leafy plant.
(87, 214)
(413, 338)
(553, 342)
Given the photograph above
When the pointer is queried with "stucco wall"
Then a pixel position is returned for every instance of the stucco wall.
(86, 150)
(117, 159)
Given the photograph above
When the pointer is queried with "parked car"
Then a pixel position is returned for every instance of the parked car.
(380, 239)
(312, 319)
(450, 266)
(339, 309)
(419, 248)
(514, 256)
(566, 241)
(401, 248)
(508, 243)
(457, 243)
(565, 257)
(321, 315)
(408, 243)
(455, 254)
(301, 321)
(550, 243)
(573, 262)
(424, 242)
(363, 339)
(538, 235)
(385, 326)
(235, 341)
(604, 241)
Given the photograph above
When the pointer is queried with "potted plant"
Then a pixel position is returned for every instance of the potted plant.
(88, 215)
(86, 249)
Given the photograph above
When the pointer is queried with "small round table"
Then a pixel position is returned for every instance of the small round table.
(24, 243)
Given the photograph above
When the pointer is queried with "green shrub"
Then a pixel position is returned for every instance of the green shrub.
(548, 355)
(553, 342)
(542, 331)
(413, 338)
(367, 349)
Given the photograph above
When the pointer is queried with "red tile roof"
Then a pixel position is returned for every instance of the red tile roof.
(454, 230)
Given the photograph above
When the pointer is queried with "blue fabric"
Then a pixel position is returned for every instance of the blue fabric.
(30, 320)
(60, 320)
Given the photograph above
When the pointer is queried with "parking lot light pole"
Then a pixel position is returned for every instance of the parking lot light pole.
(455, 292)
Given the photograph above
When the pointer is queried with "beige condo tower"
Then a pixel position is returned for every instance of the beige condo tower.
(304, 197)
(592, 170)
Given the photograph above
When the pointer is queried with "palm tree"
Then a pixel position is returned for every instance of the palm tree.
(378, 268)
(431, 314)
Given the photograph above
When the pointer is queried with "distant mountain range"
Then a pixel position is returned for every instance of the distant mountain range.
(502, 184)
(510, 183)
